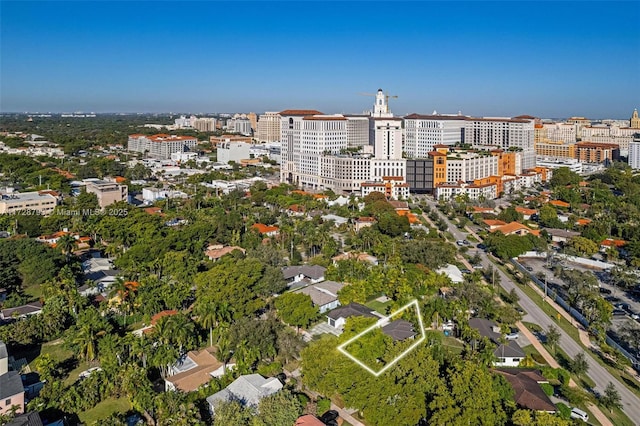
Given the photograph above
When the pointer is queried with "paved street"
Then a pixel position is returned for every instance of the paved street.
(630, 402)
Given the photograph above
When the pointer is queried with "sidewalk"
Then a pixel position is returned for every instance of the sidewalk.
(346, 416)
(595, 410)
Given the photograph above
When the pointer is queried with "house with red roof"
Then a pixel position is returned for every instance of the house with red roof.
(515, 228)
(266, 230)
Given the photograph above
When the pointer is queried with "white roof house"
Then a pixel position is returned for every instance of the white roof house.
(453, 272)
(248, 390)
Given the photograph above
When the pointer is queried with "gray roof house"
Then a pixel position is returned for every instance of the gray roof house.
(248, 390)
(11, 392)
(31, 418)
(508, 354)
(338, 317)
(399, 330)
(312, 273)
(324, 295)
(21, 311)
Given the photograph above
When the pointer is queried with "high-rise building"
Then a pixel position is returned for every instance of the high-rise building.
(357, 131)
(423, 132)
(253, 119)
(242, 126)
(386, 134)
(504, 133)
(183, 122)
(268, 127)
(203, 124)
(634, 153)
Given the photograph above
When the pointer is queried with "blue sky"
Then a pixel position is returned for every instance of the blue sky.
(548, 59)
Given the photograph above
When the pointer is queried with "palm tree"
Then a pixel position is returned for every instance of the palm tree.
(66, 243)
(86, 339)
(207, 317)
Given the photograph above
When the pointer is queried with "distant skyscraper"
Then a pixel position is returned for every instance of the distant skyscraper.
(634, 154)
(253, 118)
(203, 124)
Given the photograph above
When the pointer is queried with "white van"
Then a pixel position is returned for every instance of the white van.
(577, 413)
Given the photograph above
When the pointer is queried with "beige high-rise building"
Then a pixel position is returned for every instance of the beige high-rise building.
(269, 127)
(204, 124)
(253, 118)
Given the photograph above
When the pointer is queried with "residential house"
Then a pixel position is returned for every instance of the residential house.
(360, 257)
(23, 311)
(308, 420)
(583, 221)
(453, 272)
(338, 317)
(11, 388)
(31, 418)
(515, 228)
(559, 203)
(324, 294)
(194, 370)
(399, 330)
(216, 251)
(296, 210)
(528, 393)
(561, 235)
(310, 274)
(266, 230)
(337, 220)
(248, 390)
(611, 243)
(507, 354)
(493, 224)
(363, 222)
(481, 210)
(526, 213)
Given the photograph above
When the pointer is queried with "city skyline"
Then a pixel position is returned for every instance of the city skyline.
(480, 58)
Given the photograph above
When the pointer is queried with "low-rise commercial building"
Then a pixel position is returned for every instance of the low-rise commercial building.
(107, 192)
(39, 201)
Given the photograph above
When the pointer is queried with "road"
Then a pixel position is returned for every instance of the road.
(535, 314)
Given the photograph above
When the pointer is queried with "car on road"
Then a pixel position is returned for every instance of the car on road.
(481, 246)
(465, 271)
(460, 243)
(478, 266)
(604, 290)
(465, 242)
(529, 268)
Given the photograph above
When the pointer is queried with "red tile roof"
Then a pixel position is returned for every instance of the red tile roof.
(263, 229)
(161, 314)
(299, 112)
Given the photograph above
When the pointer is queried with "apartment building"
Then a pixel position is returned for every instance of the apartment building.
(503, 133)
(268, 127)
(358, 131)
(592, 152)
(557, 149)
(204, 124)
(634, 153)
(38, 201)
(609, 134)
(555, 132)
(107, 192)
(160, 146)
(423, 132)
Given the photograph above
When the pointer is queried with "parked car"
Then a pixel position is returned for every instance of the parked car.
(604, 290)
(578, 414)
(529, 268)
(460, 243)
(481, 246)
(513, 335)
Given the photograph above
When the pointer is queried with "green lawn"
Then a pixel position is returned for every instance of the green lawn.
(531, 350)
(104, 409)
(379, 306)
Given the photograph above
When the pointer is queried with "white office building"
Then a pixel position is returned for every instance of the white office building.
(469, 166)
(386, 134)
(634, 154)
(358, 131)
(503, 133)
(233, 151)
(423, 132)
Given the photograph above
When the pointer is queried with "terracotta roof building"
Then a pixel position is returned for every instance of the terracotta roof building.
(528, 393)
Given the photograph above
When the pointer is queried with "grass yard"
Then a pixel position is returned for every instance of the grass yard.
(379, 306)
(531, 350)
(104, 409)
